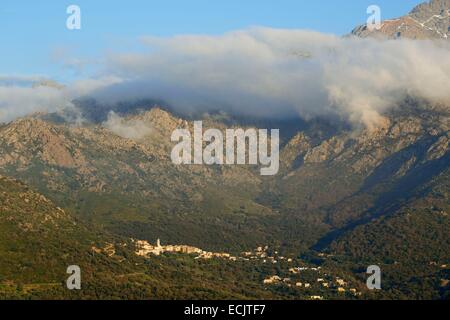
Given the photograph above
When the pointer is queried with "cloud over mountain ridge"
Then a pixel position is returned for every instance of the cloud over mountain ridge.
(261, 72)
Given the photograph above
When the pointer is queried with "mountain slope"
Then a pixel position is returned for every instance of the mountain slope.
(429, 20)
(103, 173)
(410, 244)
(327, 180)
(39, 241)
(339, 191)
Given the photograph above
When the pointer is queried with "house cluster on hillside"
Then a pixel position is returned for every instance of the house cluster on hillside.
(323, 281)
(262, 254)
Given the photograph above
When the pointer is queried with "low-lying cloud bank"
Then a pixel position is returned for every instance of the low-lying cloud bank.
(264, 72)
(127, 128)
(17, 101)
(21, 96)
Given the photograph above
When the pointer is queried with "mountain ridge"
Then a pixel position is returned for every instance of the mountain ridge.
(429, 20)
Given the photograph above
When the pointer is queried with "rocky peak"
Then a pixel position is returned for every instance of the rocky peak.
(159, 116)
(26, 129)
(433, 7)
(161, 121)
(429, 20)
(30, 136)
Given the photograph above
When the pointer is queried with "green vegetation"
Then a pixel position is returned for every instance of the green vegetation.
(343, 200)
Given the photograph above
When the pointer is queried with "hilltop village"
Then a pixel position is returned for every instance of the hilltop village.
(315, 277)
(144, 249)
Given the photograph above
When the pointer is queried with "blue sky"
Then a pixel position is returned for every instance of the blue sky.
(34, 34)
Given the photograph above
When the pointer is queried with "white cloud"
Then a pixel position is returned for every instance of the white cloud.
(23, 95)
(86, 86)
(16, 101)
(262, 72)
(127, 128)
(271, 72)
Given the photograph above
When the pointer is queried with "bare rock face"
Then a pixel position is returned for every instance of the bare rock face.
(325, 151)
(297, 147)
(440, 148)
(54, 146)
(429, 20)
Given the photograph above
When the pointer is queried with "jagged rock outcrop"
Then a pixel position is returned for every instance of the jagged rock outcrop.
(429, 20)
